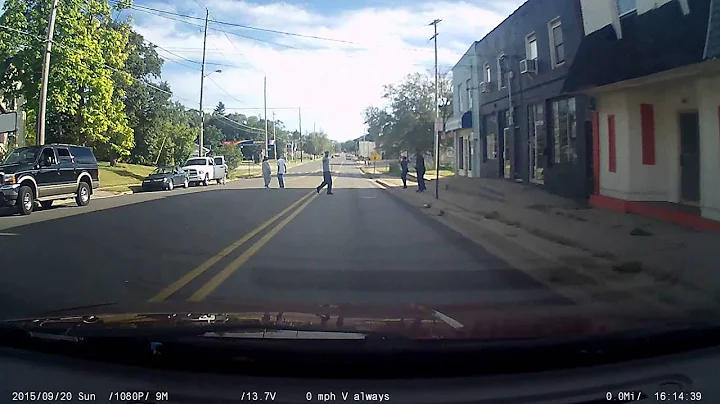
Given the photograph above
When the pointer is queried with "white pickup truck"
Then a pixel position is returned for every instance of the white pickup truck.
(202, 170)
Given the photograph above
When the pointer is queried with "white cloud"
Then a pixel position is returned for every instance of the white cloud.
(331, 81)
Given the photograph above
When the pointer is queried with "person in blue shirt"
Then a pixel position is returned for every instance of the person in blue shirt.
(404, 171)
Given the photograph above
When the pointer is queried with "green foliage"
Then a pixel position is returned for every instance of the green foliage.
(233, 156)
(84, 102)
(219, 109)
(409, 120)
(351, 146)
(105, 89)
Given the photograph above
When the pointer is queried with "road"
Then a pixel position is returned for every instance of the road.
(207, 247)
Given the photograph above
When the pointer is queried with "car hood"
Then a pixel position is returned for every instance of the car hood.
(448, 322)
(196, 167)
(13, 168)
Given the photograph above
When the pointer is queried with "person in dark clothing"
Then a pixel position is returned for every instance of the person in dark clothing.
(404, 171)
(420, 170)
(327, 175)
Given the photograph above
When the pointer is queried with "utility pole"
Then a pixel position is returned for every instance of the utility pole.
(42, 110)
(274, 138)
(300, 128)
(202, 85)
(437, 111)
(265, 108)
(313, 132)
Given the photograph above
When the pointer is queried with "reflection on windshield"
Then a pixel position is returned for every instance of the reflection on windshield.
(196, 162)
(23, 155)
(163, 170)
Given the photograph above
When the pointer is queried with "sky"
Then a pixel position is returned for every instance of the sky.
(365, 44)
(360, 46)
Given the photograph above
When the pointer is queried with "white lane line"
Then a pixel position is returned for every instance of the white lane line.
(9, 234)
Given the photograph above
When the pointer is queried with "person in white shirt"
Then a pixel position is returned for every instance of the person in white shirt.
(282, 169)
(327, 175)
(266, 171)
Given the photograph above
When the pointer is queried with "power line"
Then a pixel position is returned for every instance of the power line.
(230, 24)
(212, 29)
(224, 90)
(260, 108)
(105, 65)
(241, 125)
(159, 14)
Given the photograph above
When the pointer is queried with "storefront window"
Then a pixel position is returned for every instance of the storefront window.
(491, 146)
(470, 153)
(564, 123)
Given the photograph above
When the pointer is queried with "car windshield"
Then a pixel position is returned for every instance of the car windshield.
(23, 155)
(163, 170)
(509, 170)
(196, 162)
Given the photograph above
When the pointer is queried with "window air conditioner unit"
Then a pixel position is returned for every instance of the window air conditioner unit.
(528, 66)
(484, 87)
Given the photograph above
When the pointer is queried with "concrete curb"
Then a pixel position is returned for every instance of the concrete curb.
(114, 194)
(110, 189)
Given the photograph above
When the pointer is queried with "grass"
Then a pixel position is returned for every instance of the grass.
(249, 169)
(125, 177)
(122, 175)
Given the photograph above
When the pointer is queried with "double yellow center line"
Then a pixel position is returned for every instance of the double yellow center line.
(218, 279)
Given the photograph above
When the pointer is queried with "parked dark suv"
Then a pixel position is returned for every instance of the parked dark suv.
(46, 173)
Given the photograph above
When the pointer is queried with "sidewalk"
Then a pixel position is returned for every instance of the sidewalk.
(609, 255)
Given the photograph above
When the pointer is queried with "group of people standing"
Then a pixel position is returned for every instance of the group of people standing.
(419, 170)
(282, 170)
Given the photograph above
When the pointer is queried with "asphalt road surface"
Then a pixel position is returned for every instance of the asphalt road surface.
(205, 247)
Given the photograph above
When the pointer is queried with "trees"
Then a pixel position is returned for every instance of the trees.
(408, 122)
(219, 109)
(84, 103)
(105, 88)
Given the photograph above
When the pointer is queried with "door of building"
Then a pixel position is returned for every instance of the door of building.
(471, 151)
(537, 143)
(690, 157)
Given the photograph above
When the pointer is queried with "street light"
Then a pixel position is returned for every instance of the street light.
(202, 114)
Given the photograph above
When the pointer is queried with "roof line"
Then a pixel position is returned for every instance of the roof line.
(474, 44)
(709, 27)
(503, 21)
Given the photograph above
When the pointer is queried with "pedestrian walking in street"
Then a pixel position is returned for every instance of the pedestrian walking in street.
(420, 170)
(266, 172)
(282, 169)
(404, 171)
(327, 176)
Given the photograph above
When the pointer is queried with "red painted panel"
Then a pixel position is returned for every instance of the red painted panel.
(596, 151)
(656, 212)
(612, 167)
(647, 122)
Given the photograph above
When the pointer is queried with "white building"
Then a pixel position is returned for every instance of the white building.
(651, 69)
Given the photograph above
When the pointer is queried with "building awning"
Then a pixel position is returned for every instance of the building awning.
(459, 122)
(652, 42)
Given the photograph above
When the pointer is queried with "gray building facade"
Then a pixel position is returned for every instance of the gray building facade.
(511, 119)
